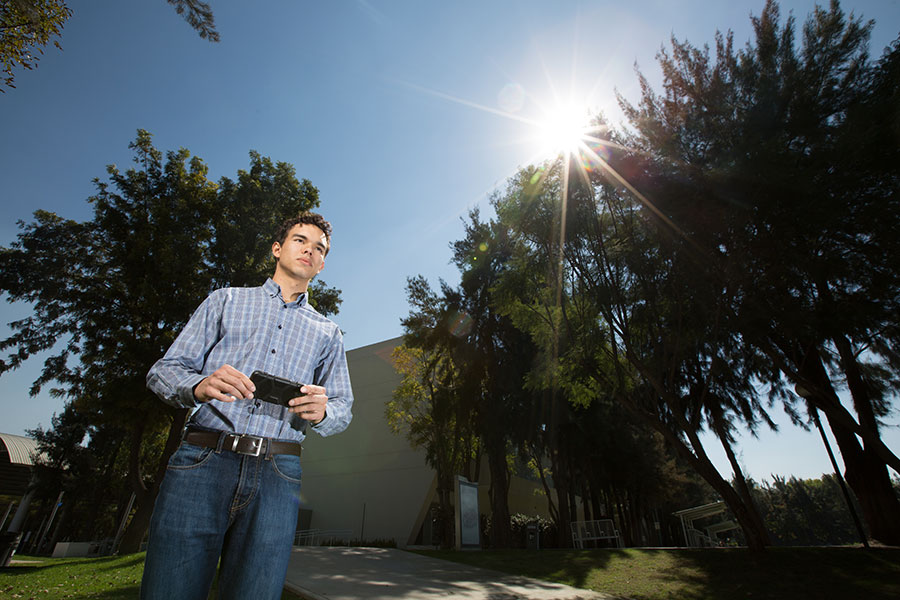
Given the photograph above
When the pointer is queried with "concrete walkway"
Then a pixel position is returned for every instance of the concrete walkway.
(341, 573)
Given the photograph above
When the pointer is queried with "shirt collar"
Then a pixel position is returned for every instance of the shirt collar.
(274, 291)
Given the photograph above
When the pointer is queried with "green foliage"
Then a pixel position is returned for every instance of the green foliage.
(519, 524)
(26, 26)
(591, 311)
(429, 405)
(199, 16)
(424, 408)
(780, 232)
(806, 512)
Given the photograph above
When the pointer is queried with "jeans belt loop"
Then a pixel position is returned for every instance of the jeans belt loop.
(221, 443)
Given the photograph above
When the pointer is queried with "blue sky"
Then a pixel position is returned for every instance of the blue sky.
(392, 109)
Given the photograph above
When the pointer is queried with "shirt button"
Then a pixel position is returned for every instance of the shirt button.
(279, 327)
(273, 350)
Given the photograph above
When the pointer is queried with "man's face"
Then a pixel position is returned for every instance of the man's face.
(302, 254)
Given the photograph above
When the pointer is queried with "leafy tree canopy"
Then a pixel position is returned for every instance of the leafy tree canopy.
(26, 26)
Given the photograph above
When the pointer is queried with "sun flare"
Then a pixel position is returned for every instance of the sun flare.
(563, 130)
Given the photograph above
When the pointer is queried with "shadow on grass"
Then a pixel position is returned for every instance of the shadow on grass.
(840, 573)
(570, 567)
(650, 574)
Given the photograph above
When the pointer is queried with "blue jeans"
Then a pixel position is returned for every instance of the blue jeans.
(216, 503)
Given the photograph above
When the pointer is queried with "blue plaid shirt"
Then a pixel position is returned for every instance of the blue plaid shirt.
(255, 329)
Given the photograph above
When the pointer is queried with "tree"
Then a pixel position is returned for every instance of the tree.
(428, 405)
(806, 512)
(26, 26)
(29, 25)
(749, 152)
(494, 357)
(92, 477)
(111, 294)
(618, 320)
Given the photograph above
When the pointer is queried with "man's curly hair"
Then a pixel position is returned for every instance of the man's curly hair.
(306, 218)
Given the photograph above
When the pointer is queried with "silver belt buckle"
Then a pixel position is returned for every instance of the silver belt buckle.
(256, 444)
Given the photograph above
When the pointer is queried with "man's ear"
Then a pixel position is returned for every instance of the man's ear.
(322, 266)
(276, 250)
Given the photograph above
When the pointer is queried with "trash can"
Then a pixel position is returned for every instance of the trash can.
(9, 541)
(533, 536)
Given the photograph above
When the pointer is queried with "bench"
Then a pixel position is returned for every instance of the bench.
(602, 529)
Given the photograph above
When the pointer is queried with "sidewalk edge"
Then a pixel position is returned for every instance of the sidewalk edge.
(303, 592)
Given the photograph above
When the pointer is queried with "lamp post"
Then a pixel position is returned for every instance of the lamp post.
(814, 413)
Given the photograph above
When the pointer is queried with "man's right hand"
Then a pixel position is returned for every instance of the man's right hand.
(226, 384)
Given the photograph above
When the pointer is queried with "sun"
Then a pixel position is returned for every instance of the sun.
(563, 129)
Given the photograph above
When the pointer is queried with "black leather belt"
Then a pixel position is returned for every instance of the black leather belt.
(252, 445)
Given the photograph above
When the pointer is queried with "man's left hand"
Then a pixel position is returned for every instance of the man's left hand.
(310, 406)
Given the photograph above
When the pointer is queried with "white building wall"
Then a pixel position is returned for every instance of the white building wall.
(366, 479)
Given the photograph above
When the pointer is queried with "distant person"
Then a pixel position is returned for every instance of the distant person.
(232, 489)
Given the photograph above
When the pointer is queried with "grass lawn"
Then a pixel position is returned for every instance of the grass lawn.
(640, 574)
(106, 578)
(714, 574)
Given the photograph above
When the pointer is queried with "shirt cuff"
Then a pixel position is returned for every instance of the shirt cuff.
(319, 424)
(186, 391)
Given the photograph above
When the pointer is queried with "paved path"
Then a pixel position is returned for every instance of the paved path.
(341, 573)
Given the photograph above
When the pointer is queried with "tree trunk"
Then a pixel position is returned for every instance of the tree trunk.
(561, 483)
(864, 469)
(548, 491)
(146, 496)
(803, 365)
(859, 390)
(624, 525)
(501, 536)
(61, 523)
(869, 480)
(446, 523)
(743, 489)
(587, 501)
(757, 538)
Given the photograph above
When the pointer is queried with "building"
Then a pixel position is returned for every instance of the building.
(17, 454)
(368, 480)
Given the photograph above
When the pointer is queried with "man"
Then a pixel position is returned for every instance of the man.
(232, 488)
